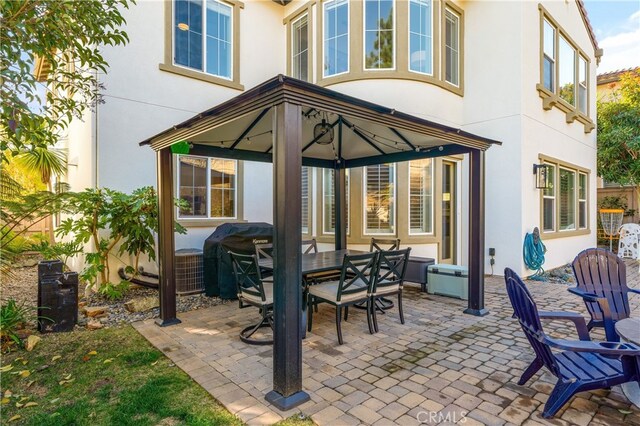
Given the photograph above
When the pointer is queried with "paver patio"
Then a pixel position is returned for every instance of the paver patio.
(442, 366)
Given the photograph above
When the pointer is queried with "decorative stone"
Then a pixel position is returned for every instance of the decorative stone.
(94, 311)
(94, 324)
(142, 304)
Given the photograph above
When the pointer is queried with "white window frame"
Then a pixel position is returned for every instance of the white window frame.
(585, 86)
(562, 38)
(293, 24)
(208, 190)
(432, 207)
(364, 38)
(583, 200)
(554, 64)
(575, 199)
(553, 197)
(324, 185)
(393, 199)
(323, 41)
(409, 37)
(444, 46)
(204, 40)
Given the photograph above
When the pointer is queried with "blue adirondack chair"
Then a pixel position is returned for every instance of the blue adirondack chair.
(601, 273)
(581, 366)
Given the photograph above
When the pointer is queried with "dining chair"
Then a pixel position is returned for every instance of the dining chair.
(309, 246)
(355, 285)
(255, 291)
(390, 279)
(384, 244)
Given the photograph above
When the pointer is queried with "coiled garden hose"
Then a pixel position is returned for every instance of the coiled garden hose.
(533, 252)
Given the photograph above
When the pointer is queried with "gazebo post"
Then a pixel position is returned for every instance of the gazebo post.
(339, 206)
(166, 239)
(287, 241)
(476, 233)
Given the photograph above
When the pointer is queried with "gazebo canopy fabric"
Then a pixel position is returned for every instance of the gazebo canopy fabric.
(274, 122)
(242, 128)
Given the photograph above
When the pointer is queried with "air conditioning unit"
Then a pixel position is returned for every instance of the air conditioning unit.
(189, 272)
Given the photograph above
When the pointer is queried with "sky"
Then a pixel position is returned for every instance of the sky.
(617, 27)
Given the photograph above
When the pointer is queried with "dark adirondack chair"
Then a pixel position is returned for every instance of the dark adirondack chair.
(601, 273)
(581, 366)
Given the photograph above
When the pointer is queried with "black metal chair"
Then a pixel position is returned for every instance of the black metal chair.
(390, 279)
(253, 290)
(355, 285)
(384, 244)
(309, 246)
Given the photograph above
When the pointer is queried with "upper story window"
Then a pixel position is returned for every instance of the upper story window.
(201, 40)
(564, 73)
(300, 48)
(203, 36)
(379, 40)
(379, 199)
(452, 47)
(335, 43)
(549, 56)
(421, 36)
(209, 186)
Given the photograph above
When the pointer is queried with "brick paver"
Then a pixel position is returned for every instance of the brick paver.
(442, 366)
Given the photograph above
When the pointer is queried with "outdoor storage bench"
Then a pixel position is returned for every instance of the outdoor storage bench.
(449, 280)
(417, 270)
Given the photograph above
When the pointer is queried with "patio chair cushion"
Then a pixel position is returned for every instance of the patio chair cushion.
(268, 293)
(329, 291)
(386, 289)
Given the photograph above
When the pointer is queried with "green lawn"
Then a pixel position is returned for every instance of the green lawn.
(104, 377)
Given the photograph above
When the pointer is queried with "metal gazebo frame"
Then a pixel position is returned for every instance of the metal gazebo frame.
(290, 103)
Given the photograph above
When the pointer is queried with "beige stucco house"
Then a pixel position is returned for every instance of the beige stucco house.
(523, 73)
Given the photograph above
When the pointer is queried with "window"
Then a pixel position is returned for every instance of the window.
(566, 72)
(567, 188)
(379, 193)
(379, 40)
(305, 200)
(565, 201)
(549, 56)
(208, 185)
(336, 37)
(421, 36)
(582, 201)
(582, 84)
(300, 48)
(421, 197)
(328, 210)
(452, 47)
(549, 200)
(203, 36)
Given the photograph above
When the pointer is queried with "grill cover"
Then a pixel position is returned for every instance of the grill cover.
(219, 279)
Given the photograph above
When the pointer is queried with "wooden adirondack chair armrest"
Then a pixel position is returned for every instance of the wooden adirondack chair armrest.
(603, 348)
(577, 319)
(609, 327)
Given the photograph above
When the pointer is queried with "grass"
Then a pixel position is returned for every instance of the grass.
(105, 377)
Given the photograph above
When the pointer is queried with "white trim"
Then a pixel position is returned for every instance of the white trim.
(324, 21)
(432, 207)
(204, 40)
(409, 38)
(393, 200)
(208, 189)
(364, 38)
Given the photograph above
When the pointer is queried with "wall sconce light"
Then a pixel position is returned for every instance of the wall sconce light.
(542, 179)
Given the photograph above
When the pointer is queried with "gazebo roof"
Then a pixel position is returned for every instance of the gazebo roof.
(365, 133)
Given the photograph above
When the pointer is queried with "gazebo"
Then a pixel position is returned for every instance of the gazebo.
(289, 122)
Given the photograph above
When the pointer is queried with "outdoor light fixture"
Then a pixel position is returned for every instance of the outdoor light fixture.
(542, 180)
(323, 132)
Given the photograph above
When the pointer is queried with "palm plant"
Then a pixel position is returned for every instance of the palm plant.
(45, 161)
